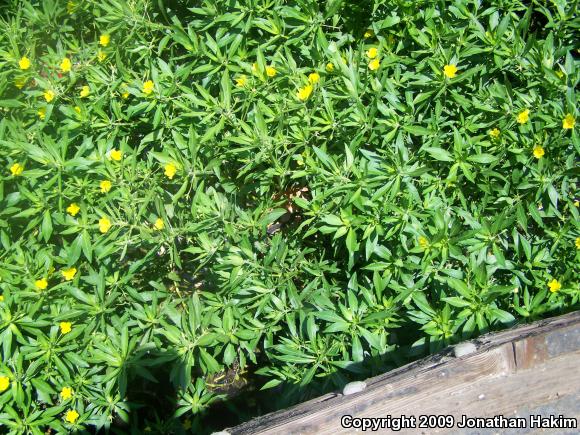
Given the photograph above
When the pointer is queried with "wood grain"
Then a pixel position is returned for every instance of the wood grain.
(525, 366)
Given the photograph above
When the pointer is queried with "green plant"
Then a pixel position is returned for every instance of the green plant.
(200, 201)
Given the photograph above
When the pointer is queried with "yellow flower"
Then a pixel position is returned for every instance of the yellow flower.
(104, 225)
(372, 52)
(241, 81)
(329, 67)
(576, 203)
(450, 71)
(66, 393)
(4, 383)
(423, 242)
(85, 91)
(374, 64)
(16, 169)
(69, 273)
(65, 327)
(148, 87)
(78, 110)
(539, 152)
(577, 242)
(48, 96)
(494, 133)
(124, 91)
(304, 93)
(24, 63)
(554, 285)
(159, 224)
(270, 71)
(104, 40)
(19, 82)
(116, 155)
(170, 170)
(369, 34)
(568, 122)
(314, 78)
(73, 209)
(105, 186)
(101, 55)
(65, 65)
(523, 116)
(71, 416)
(41, 284)
(42, 113)
(560, 74)
(254, 67)
(1, 298)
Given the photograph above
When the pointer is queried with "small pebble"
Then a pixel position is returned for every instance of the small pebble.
(481, 396)
(463, 349)
(354, 387)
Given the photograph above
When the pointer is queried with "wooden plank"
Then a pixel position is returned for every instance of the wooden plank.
(510, 369)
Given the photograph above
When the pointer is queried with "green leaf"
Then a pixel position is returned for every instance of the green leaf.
(482, 158)
(439, 154)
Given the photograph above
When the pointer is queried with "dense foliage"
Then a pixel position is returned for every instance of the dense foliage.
(199, 200)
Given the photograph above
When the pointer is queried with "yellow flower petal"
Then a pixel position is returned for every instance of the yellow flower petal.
(554, 285)
(49, 95)
(65, 327)
(568, 122)
(24, 63)
(450, 70)
(374, 64)
(304, 93)
(372, 53)
(85, 91)
(494, 133)
(270, 71)
(73, 209)
(41, 284)
(69, 273)
(71, 416)
(159, 224)
(16, 169)
(104, 40)
(116, 155)
(241, 81)
(4, 383)
(313, 78)
(539, 152)
(105, 186)
(148, 87)
(523, 116)
(65, 65)
(66, 393)
(104, 225)
(170, 170)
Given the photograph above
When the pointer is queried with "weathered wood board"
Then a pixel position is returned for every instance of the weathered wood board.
(515, 373)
